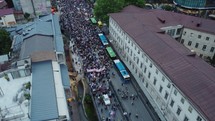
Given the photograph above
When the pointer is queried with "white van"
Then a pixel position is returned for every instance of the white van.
(106, 99)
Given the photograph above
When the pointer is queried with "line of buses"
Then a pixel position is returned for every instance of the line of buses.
(120, 66)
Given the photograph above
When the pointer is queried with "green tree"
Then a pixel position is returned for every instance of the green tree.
(5, 42)
(139, 3)
(103, 7)
(27, 15)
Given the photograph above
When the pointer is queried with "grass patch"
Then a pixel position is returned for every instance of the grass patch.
(89, 108)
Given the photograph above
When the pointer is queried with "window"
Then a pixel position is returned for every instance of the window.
(141, 65)
(168, 85)
(161, 88)
(199, 118)
(145, 70)
(212, 49)
(150, 65)
(186, 119)
(172, 103)
(197, 44)
(135, 70)
(149, 75)
(182, 41)
(189, 43)
(178, 111)
(175, 92)
(178, 31)
(156, 71)
(207, 38)
(138, 52)
(137, 60)
(182, 100)
(143, 80)
(204, 47)
(147, 85)
(163, 78)
(190, 109)
(146, 60)
(166, 95)
(155, 80)
(199, 36)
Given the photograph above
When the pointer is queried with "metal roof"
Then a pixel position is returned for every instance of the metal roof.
(65, 76)
(57, 34)
(194, 77)
(36, 43)
(43, 101)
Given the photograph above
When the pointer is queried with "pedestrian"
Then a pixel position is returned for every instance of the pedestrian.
(132, 103)
(136, 115)
(129, 114)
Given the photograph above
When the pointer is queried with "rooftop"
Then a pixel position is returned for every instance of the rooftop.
(194, 77)
(12, 101)
(6, 12)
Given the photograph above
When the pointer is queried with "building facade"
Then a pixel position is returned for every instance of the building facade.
(7, 18)
(154, 59)
(33, 7)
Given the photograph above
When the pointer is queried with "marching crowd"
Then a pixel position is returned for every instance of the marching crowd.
(75, 21)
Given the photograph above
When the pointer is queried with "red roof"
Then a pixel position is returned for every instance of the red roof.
(6, 11)
(194, 77)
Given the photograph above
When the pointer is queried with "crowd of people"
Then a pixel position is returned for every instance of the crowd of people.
(75, 21)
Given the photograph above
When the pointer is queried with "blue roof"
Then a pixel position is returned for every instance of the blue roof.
(57, 34)
(43, 101)
(65, 76)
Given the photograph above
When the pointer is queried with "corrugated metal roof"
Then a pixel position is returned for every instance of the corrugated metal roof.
(194, 77)
(36, 43)
(65, 76)
(57, 34)
(43, 101)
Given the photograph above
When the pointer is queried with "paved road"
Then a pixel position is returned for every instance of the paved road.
(136, 106)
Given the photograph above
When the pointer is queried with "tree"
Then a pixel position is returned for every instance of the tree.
(103, 7)
(27, 15)
(5, 42)
(139, 3)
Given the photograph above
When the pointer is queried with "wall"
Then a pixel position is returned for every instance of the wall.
(199, 37)
(157, 87)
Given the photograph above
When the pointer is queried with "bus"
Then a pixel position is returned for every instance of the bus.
(93, 20)
(110, 51)
(121, 69)
(103, 39)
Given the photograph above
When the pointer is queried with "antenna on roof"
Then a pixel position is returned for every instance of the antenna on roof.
(161, 20)
(192, 53)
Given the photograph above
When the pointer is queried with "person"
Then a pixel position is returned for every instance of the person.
(136, 115)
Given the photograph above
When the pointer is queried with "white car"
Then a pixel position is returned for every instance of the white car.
(106, 99)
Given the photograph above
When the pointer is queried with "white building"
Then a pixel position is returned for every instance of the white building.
(179, 85)
(38, 55)
(7, 18)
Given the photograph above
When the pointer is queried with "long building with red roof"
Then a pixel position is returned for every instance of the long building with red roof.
(178, 83)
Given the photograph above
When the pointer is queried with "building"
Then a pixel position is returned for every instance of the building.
(179, 84)
(37, 58)
(195, 4)
(7, 18)
(33, 7)
(3, 4)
